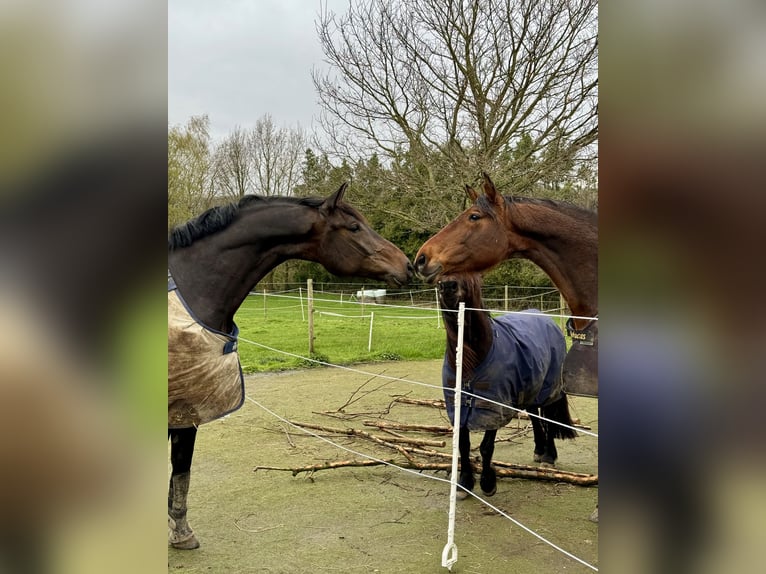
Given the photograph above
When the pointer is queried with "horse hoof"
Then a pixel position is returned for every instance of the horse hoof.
(461, 494)
(189, 543)
(492, 492)
(547, 465)
(538, 457)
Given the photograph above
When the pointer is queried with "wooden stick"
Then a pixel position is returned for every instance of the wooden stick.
(524, 468)
(356, 432)
(385, 425)
(529, 473)
(435, 403)
(323, 466)
(439, 404)
(357, 394)
(287, 434)
(542, 469)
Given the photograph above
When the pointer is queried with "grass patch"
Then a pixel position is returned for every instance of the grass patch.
(341, 331)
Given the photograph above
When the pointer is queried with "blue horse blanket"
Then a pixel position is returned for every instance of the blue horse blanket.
(523, 369)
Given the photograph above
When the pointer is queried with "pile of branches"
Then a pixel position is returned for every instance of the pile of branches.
(418, 453)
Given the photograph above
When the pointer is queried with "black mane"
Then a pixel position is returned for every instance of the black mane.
(220, 217)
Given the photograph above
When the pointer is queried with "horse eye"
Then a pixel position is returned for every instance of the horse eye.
(474, 217)
(355, 227)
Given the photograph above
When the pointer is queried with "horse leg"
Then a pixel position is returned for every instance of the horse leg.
(488, 481)
(551, 454)
(538, 431)
(545, 448)
(557, 412)
(181, 451)
(466, 480)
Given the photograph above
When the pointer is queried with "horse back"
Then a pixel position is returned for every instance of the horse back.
(531, 347)
(523, 369)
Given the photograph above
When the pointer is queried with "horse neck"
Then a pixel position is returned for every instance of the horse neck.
(216, 273)
(477, 336)
(566, 248)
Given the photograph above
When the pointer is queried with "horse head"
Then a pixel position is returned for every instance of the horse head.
(475, 241)
(348, 246)
(456, 287)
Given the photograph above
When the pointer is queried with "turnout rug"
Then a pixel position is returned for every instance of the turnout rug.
(205, 379)
(523, 369)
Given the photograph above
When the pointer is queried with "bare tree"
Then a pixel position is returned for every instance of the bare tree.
(190, 191)
(448, 88)
(276, 155)
(232, 166)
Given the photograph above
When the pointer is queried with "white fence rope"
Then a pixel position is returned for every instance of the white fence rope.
(410, 381)
(407, 470)
(331, 314)
(449, 554)
(369, 347)
(393, 306)
(419, 474)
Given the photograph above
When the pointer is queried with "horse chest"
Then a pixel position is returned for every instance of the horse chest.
(205, 379)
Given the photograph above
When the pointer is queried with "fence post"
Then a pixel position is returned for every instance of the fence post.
(310, 302)
(506, 298)
(300, 295)
(438, 309)
(369, 341)
(449, 554)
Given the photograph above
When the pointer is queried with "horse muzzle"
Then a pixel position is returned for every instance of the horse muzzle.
(426, 270)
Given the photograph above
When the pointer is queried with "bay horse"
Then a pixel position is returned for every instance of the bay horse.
(514, 360)
(562, 239)
(214, 261)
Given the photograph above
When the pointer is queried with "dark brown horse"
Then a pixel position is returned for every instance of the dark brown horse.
(215, 260)
(559, 237)
(511, 360)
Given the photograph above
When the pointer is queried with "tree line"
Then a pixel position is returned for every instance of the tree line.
(420, 97)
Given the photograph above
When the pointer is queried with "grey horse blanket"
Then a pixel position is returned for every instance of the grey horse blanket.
(523, 369)
(205, 379)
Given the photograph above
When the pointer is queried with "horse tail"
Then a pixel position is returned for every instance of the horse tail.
(558, 411)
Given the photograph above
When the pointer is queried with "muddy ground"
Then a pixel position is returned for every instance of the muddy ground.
(377, 519)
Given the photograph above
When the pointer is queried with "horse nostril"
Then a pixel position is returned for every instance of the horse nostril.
(410, 268)
(421, 261)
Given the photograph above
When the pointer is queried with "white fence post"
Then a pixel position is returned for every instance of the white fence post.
(369, 341)
(449, 554)
(310, 298)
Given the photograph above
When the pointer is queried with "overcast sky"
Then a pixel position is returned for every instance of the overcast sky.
(237, 60)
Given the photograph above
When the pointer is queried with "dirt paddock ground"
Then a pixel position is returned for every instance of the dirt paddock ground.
(376, 519)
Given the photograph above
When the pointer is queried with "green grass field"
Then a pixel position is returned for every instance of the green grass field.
(282, 323)
(399, 331)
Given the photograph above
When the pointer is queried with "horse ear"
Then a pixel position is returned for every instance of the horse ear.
(490, 191)
(332, 202)
(471, 193)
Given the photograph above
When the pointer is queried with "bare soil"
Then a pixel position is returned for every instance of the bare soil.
(377, 519)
